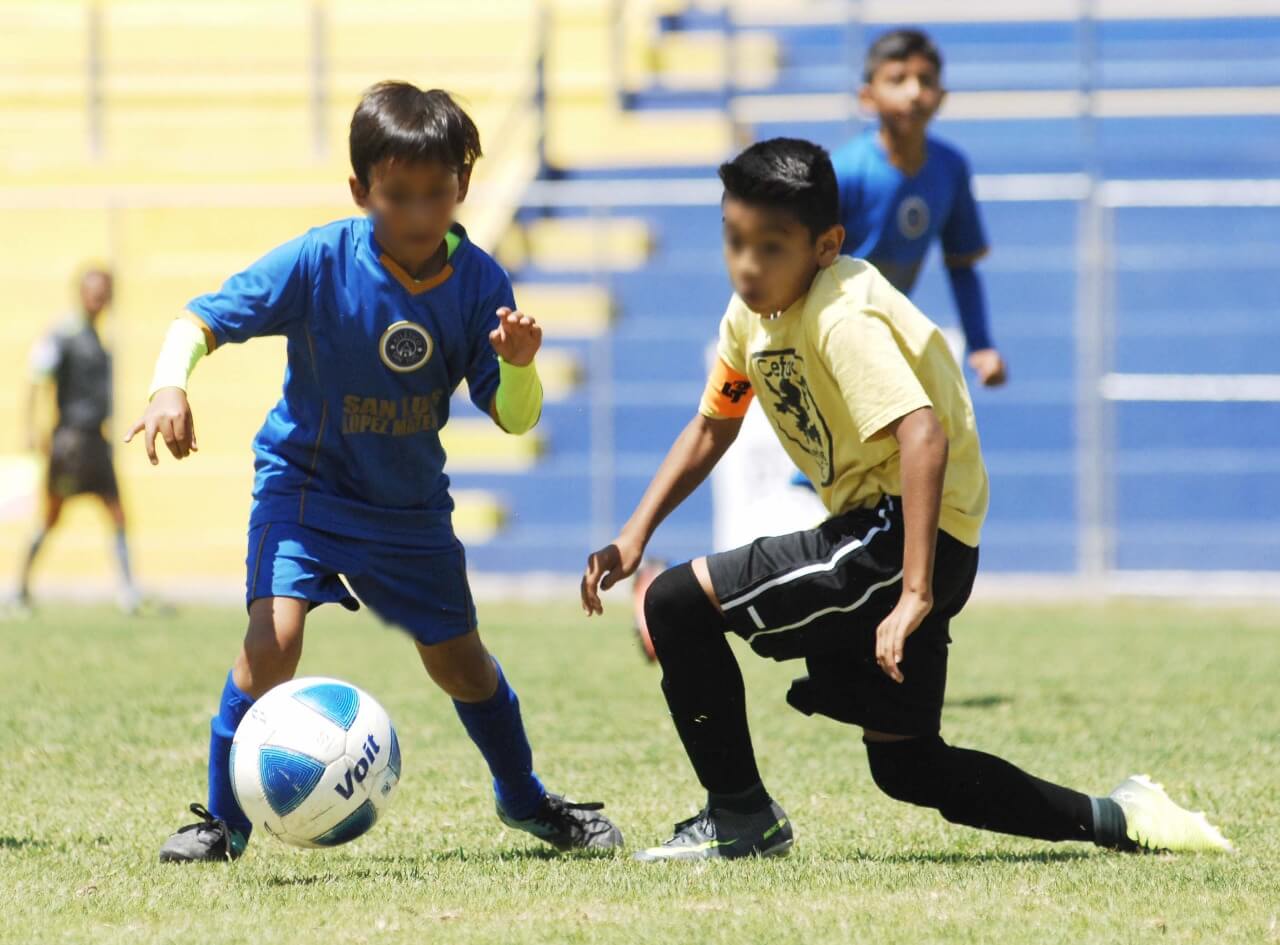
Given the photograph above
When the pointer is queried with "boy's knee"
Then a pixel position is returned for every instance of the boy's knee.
(272, 645)
(468, 682)
(462, 668)
(675, 604)
(907, 770)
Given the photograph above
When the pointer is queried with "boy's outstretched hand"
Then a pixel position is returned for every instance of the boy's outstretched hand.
(606, 568)
(517, 337)
(990, 367)
(168, 414)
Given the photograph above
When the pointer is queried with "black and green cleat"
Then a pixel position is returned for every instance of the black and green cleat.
(567, 825)
(209, 840)
(725, 835)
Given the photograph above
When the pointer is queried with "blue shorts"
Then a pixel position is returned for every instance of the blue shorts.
(424, 593)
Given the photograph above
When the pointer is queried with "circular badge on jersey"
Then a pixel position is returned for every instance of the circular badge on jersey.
(913, 217)
(405, 346)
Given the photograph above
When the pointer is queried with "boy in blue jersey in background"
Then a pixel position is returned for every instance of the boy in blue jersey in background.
(900, 188)
(385, 315)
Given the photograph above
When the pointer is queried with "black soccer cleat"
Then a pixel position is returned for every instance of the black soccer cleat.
(567, 825)
(209, 840)
(724, 835)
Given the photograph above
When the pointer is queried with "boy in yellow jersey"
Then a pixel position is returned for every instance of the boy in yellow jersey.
(866, 397)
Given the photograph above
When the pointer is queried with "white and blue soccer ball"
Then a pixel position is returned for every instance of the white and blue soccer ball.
(314, 762)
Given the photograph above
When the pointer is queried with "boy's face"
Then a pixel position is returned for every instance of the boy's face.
(905, 93)
(95, 293)
(412, 204)
(771, 256)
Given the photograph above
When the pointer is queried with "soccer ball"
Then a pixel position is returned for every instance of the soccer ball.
(314, 762)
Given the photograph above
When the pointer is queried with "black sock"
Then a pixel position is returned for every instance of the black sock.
(749, 801)
(703, 686)
(980, 790)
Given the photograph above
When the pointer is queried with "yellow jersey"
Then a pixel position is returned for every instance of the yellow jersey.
(833, 371)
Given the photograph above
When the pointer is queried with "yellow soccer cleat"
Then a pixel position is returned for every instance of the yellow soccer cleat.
(1154, 822)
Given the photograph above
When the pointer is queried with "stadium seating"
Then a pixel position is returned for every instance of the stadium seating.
(180, 140)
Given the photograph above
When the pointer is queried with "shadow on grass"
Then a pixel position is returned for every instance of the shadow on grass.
(23, 843)
(980, 702)
(420, 865)
(956, 858)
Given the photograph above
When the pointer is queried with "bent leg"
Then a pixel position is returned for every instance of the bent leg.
(980, 790)
(703, 686)
(269, 656)
(490, 712)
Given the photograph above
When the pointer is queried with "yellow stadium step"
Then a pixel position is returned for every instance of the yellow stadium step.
(560, 372)
(478, 516)
(700, 60)
(567, 310)
(581, 59)
(577, 244)
(43, 43)
(477, 445)
(176, 39)
(591, 136)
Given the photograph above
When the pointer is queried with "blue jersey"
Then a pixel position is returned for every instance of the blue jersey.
(353, 445)
(891, 219)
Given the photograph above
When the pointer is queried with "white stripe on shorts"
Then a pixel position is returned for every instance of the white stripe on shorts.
(818, 568)
(822, 613)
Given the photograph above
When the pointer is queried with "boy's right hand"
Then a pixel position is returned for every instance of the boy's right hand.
(990, 367)
(606, 568)
(168, 414)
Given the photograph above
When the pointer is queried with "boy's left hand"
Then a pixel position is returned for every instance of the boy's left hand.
(891, 635)
(517, 337)
(989, 366)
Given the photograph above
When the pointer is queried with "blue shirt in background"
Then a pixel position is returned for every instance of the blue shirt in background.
(891, 219)
(353, 445)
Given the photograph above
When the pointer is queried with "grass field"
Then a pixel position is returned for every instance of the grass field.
(103, 732)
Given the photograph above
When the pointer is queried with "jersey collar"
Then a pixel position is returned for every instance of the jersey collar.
(456, 240)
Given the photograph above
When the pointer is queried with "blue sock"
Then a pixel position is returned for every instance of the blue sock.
(232, 708)
(496, 728)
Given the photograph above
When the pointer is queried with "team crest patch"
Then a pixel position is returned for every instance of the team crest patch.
(405, 346)
(791, 407)
(913, 217)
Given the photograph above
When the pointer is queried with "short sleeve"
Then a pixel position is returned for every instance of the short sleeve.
(962, 233)
(45, 357)
(876, 381)
(727, 395)
(264, 299)
(482, 360)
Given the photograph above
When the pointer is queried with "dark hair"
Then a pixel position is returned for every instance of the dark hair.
(400, 120)
(898, 46)
(788, 173)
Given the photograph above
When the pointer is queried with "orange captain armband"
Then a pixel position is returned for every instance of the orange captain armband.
(728, 394)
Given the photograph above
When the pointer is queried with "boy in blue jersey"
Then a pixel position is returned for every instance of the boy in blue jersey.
(385, 315)
(900, 188)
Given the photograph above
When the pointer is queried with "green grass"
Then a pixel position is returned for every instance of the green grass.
(103, 732)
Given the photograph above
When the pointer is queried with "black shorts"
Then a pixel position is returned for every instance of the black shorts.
(819, 595)
(80, 462)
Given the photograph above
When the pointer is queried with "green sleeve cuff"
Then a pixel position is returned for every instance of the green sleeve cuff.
(184, 345)
(518, 402)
